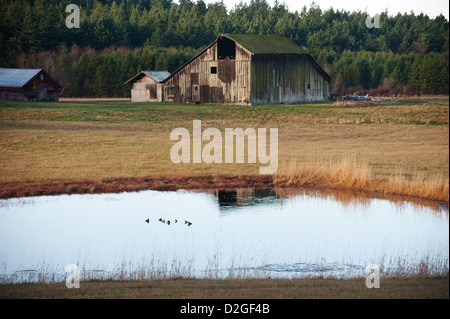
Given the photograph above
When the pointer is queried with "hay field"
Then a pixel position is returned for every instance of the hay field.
(405, 141)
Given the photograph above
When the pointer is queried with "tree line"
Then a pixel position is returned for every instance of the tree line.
(408, 54)
(88, 72)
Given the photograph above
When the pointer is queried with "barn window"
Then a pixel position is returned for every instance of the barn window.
(139, 86)
(214, 70)
(226, 49)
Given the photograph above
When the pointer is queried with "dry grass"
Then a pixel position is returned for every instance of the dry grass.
(395, 288)
(350, 174)
(155, 279)
(401, 145)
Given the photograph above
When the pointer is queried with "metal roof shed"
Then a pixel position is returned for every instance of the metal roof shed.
(28, 85)
(147, 86)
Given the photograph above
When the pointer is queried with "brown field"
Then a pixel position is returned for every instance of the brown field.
(398, 147)
(396, 288)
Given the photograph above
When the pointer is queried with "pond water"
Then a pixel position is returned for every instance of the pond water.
(217, 234)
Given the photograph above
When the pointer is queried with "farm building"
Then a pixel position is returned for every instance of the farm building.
(250, 70)
(28, 85)
(147, 86)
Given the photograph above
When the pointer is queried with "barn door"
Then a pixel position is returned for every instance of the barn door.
(152, 88)
(42, 92)
(196, 92)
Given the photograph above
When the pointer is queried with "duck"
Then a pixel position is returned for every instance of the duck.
(176, 221)
(189, 223)
(147, 220)
(168, 222)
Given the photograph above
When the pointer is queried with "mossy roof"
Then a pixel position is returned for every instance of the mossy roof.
(266, 43)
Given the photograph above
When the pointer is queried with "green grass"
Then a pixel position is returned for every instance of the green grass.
(435, 111)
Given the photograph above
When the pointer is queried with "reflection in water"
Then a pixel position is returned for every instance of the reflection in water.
(277, 233)
(227, 198)
(250, 196)
(244, 197)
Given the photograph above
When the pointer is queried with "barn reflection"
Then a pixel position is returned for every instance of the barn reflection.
(234, 199)
(243, 197)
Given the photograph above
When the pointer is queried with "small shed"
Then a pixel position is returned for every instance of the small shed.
(28, 85)
(147, 86)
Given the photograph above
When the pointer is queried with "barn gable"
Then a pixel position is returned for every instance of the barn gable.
(212, 77)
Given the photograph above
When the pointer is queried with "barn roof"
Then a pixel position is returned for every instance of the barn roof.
(20, 77)
(158, 76)
(17, 77)
(266, 43)
(260, 44)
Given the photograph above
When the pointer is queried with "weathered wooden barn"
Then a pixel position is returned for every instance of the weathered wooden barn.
(250, 70)
(147, 86)
(28, 85)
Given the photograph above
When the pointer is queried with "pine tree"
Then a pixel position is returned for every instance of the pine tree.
(160, 64)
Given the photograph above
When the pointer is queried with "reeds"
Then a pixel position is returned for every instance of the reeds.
(350, 174)
(153, 269)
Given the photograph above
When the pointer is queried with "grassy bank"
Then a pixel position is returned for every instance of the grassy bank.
(349, 174)
(396, 147)
(401, 287)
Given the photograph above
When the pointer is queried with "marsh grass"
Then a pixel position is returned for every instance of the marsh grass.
(154, 269)
(348, 173)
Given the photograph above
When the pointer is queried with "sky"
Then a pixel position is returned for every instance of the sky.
(430, 7)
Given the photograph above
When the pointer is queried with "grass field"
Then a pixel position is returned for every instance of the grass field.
(405, 141)
(396, 288)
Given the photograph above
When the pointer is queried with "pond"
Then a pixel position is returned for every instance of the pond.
(219, 234)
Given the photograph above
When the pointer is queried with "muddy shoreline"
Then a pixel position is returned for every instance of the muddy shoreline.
(174, 183)
(118, 185)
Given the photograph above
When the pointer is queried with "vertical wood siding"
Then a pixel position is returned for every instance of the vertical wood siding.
(286, 78)
(248, 80)
(228, 86)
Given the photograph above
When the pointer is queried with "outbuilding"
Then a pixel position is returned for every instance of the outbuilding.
(28, 85)
(147, 86)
